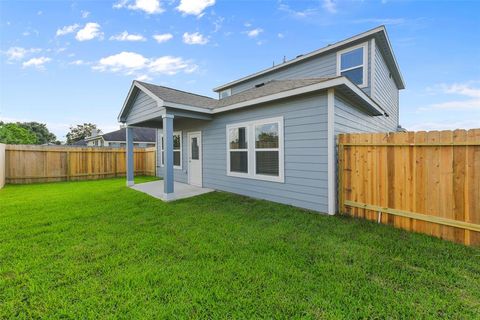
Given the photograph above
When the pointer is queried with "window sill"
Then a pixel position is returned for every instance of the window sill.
(257, 177)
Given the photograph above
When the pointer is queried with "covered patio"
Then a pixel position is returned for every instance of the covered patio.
(162, 108)
(182, 190)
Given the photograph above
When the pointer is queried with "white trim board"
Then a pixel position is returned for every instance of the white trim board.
(331, 151)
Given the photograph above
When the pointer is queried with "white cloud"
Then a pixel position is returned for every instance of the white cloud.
(124, 61)
(470, 94)
(85, 14)
(298, 14)
(194, 38)
(444, 125)
(125, 36)
(147, 6)
(134, 63)
(194, 7)
(281, 35)
(89, 32)
(67, 29)
(171, 65)
(36, 62)
(18, 53)
(79, 63)
(457, 104)
(330, 6)
(254, 32)
(464, 89)
(164, 37)
(143, 77)
(217, 24)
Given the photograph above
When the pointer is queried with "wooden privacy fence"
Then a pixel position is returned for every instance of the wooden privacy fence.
(30, 164)
(427, 182)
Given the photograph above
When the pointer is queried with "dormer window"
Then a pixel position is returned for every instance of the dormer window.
(225, 93)
(352, 63)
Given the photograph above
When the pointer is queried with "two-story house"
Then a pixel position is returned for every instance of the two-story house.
(271, 134)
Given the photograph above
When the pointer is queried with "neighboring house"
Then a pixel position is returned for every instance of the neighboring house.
(271, 135)
(142, 138)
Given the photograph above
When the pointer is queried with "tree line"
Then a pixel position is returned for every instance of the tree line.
(38, 133)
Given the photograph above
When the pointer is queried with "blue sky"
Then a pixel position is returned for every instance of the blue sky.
(65, 63)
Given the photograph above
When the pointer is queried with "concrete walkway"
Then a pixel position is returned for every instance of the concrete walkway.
(181, 190)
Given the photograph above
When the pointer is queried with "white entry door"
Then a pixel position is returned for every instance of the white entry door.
(195, 158)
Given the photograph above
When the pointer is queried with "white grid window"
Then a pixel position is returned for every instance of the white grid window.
(352, 63)
(255, 150)
(177, 150)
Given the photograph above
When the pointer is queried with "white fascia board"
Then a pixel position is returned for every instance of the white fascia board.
(309, 55)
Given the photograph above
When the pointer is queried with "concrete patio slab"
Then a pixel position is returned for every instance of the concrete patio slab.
(181, 190)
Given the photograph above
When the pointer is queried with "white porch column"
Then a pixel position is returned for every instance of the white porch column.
(168, 156)
(129, 151)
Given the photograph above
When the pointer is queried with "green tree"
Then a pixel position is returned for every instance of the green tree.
(40, 130)
(12, 133)
(80, 132)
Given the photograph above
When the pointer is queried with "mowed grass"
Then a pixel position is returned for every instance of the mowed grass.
(98, 250)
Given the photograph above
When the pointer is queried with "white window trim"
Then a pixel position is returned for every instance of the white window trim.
(364, 65)
(229, 91)
(250, 128)
(181, 149)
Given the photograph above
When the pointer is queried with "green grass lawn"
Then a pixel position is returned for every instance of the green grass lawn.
(100, 250)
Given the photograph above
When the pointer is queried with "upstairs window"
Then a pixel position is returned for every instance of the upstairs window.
(352, 63)
(225, 93)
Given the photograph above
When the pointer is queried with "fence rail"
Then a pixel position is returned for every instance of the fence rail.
(30, 164)
(427, 182)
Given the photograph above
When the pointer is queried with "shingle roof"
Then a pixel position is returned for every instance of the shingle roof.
(139, 135)
(265, 89)
(178, 96)
(82, 142)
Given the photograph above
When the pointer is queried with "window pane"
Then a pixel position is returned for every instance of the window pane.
(266, 136)
(195, 149)
(176, 142)
(176, 158)
(355, 75)
(162, 143)
(267, 162)
(238, 138)
(239, 161)
(352, 58)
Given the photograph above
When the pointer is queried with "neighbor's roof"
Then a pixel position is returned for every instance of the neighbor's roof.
(139, 135)
(382, 41)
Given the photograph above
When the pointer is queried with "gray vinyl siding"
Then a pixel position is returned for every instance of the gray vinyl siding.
(318, 67)
(386, 92)
(323, 66)
(349, 119)
(144, 108)
(305, 152)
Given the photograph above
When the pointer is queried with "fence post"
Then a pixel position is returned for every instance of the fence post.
(68, 165)
(2, 165)
(341, 208)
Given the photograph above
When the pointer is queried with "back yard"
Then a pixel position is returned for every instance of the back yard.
(100, 250)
